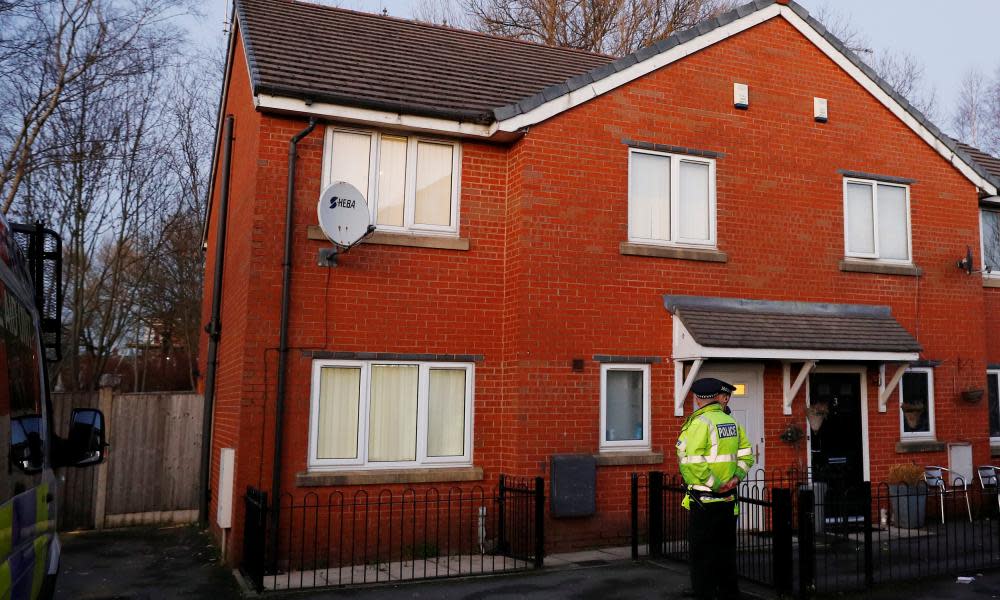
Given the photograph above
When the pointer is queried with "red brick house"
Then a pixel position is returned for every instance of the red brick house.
(565, 241)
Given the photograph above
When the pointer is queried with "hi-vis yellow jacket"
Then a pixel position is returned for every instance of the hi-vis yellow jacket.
(711, 449)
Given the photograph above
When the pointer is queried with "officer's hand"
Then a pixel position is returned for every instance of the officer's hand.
(732, 483)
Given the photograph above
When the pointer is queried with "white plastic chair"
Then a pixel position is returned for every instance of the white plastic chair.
(988, 480)
(937, 478)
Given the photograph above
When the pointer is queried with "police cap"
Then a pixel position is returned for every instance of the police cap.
(710, 386)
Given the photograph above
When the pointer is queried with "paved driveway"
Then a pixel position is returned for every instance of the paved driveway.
(179, 562)
(142, 564)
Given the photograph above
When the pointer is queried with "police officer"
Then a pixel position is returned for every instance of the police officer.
(714, 456)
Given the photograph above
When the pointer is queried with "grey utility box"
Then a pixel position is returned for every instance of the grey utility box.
(573, 488)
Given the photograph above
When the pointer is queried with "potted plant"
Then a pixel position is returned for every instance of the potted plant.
(972, 396)
(912, 414)
(908, 495)
(816, 414)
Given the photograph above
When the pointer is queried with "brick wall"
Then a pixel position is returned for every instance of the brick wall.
(544, 282)
(236, 310)
(780, 220)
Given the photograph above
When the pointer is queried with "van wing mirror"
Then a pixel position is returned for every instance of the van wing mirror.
(86, 444)
(27, 450)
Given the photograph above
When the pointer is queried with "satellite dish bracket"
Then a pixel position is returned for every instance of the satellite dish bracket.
(328, 256)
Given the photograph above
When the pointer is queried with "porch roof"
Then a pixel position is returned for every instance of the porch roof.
(747, 329)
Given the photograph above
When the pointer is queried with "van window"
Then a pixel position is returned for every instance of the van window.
(21, 406)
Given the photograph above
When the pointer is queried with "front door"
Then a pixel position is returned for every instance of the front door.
(746, 404)
(837, 446)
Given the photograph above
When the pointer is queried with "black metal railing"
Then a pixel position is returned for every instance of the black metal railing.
(394, 535)
(804, 537)
(867, 535)
(254, 537)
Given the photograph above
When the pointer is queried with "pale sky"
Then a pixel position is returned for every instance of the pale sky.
(947, 37)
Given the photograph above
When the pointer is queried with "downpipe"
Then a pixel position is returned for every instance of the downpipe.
(214, 327)
(286, 289)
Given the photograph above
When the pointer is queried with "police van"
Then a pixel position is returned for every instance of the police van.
(29, 281)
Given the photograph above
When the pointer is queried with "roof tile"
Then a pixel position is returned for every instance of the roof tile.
(370, 60)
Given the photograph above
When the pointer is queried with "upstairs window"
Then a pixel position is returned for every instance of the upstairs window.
(411, 183)
(877, 220)
(671, 199)
(989, 224)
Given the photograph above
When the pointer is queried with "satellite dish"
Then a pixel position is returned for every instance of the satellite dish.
(343, 214)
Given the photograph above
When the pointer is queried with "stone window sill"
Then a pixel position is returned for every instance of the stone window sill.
(849, 265)
(414, 240)
(388, 476)
(991, 282)
(994, 450)
(618, 459)
(911, 446)
(702, 254)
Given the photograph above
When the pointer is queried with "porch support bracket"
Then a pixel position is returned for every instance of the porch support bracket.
(789, 388)
(885, 389)
(682, 385)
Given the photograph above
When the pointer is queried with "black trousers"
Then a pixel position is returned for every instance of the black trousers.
(712, 547)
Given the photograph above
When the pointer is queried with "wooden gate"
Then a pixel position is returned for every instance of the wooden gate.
(151, 474)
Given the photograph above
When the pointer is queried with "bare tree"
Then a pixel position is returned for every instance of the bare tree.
(48, 46)
(442, 12)
(973, 121)
(901, 70)
(906, 74)
(614, 27)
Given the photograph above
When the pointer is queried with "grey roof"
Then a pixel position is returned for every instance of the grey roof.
(315, 52)
(321, 53)
(737, 323)
(987, 161)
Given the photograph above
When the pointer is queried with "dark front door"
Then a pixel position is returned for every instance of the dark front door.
(838, 445)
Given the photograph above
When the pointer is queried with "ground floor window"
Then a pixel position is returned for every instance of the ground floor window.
(624, 407)
(368, 414)
(916, 395)
(993, 386)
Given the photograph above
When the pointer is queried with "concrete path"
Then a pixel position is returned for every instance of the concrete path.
(142, 564)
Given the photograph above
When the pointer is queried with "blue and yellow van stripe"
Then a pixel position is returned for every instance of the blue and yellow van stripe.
(41, 548)
(5, 581)
(26, 534)
(6, 528)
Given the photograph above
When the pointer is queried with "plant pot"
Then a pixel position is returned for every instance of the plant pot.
(912, 417)
(909, 505)
(972, 396)
(815, 420)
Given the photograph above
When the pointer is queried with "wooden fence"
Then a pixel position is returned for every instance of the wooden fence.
(152, 470)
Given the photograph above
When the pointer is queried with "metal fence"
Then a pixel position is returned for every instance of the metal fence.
(803, 538)
(394, 535)
(763, 535)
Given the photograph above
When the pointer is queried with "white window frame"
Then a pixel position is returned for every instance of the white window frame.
(423, 385)
(675, 183)
(410, 193)
(995, 274)
(644, 443)
(847, 221)
(992, 373)
(919, 435)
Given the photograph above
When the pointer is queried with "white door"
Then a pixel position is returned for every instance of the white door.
(747, 407)
(746, 404)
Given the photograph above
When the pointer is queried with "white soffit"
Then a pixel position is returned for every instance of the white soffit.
(377, 118)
